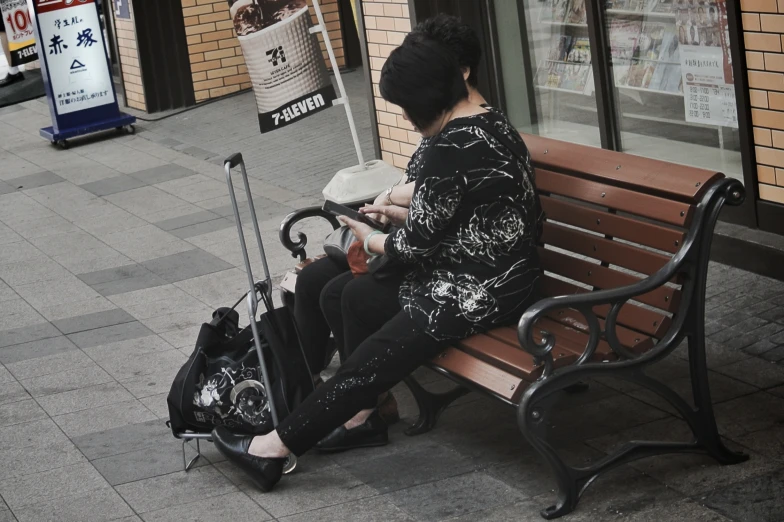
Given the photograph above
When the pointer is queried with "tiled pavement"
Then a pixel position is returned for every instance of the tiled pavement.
(112, 254)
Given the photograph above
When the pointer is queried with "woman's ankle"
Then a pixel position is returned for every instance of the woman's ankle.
(358, 419)
(268, 446)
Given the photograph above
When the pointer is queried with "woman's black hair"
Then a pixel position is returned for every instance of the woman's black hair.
(423, 77)
(459, 37)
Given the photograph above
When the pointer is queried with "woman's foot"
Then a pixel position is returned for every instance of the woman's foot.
(264, 472)
(387, 408)
(371, 433)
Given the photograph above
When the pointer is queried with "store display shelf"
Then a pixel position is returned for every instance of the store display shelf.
(643, 89)
(566, 24)
(651, 14)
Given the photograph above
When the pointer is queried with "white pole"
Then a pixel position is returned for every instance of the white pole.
(322, 28)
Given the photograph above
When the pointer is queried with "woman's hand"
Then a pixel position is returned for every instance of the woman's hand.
(360, 230)
(395, 214)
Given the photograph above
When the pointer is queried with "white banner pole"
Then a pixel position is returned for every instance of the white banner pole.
(322, 28)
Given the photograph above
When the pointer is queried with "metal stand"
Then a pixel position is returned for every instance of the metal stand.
(322, 28)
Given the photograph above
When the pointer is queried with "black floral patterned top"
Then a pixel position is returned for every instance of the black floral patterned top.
(471, 232)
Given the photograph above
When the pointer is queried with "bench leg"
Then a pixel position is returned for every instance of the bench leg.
(703, 420)
(431, 405)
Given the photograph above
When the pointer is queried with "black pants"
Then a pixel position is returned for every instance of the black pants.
(317, 300)
(385, 346)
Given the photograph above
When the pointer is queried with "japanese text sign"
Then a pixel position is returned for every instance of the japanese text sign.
(74, 57)
(19, 31)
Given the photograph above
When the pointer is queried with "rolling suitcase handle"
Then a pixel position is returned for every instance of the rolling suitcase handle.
(266, 286)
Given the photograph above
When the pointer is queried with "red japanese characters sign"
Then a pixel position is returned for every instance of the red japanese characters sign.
(45, 6)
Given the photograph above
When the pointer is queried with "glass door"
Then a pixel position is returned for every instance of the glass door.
(544, 57)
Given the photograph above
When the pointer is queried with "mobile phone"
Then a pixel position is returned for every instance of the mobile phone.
(342, 210)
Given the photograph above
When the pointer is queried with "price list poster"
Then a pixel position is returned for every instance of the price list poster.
(706, 63)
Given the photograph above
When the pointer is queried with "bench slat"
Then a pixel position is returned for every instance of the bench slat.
(601, 249)
(613, 225)
(628, 338)
(506, 354)
(637, 203)
(631, 315)
(568, 347)
(602, 277)
(635, 172)
(469, 368)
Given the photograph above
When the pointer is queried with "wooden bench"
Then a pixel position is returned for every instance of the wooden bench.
(625, 252)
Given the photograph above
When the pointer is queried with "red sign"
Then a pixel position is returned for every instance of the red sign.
(46, 6)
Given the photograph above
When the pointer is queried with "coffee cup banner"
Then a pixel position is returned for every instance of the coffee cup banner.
(285, 62)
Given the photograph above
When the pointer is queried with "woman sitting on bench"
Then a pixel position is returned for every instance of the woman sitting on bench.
(469, 243)
(320, 284)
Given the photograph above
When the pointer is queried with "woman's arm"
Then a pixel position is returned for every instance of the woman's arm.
(401, 194)
(436, 198)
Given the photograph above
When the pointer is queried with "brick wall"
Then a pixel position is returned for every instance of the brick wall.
(217, 64)
(763, 30)
(129, 58)
(386, 24)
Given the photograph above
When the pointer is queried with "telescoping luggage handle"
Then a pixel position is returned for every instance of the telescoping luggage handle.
(263, 287)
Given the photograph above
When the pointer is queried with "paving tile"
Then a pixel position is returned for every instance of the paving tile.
(11, 392)
(137, 348)
(409, 468)
(455, 496)
(236, 507)
(62, 311)
(20, 412)
(148, 385)
(27, 334)
(103, 418)
(5, 188)
(130, 366)
(109, 186)
(203, 228)
(760, 373)
(96, 506)
(175, 489)
(57, 291)
(48, 364)
(109, 334)
(373, 510)
(325, 487)
(83, 376)
(31, 181)
(141, 279)
(125, 439)
(84, 398)
(748, 414)
(69, 481)
(16, 251)
(218, 289)
(26, 271)
(186, 220)
(157, 404)
(35, 349)
(152, 461)
(43, 456)
(146, 243)
(162, 173)
(7, 293)
(756, 498)
(186, 265)
(92, 321)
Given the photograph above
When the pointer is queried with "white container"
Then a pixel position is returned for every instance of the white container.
(357, 185)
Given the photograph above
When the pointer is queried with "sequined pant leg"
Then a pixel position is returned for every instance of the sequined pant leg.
(380, 361)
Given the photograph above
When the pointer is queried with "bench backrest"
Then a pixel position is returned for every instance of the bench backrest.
(611, 220)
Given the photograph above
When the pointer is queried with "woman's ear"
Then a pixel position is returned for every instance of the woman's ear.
(466, 73)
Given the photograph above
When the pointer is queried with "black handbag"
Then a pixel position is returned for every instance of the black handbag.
(221, 383)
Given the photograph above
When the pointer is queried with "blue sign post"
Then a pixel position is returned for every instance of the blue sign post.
(76, 70)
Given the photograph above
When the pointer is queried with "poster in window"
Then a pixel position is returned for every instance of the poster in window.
(706, 63)
(285, 63)
(19, 31)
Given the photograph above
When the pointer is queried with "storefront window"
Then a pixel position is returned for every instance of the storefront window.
(673, 79)
(670, 66)
(549, 63)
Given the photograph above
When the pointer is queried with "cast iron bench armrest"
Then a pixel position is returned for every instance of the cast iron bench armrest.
(684, 261)
(297, 248)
